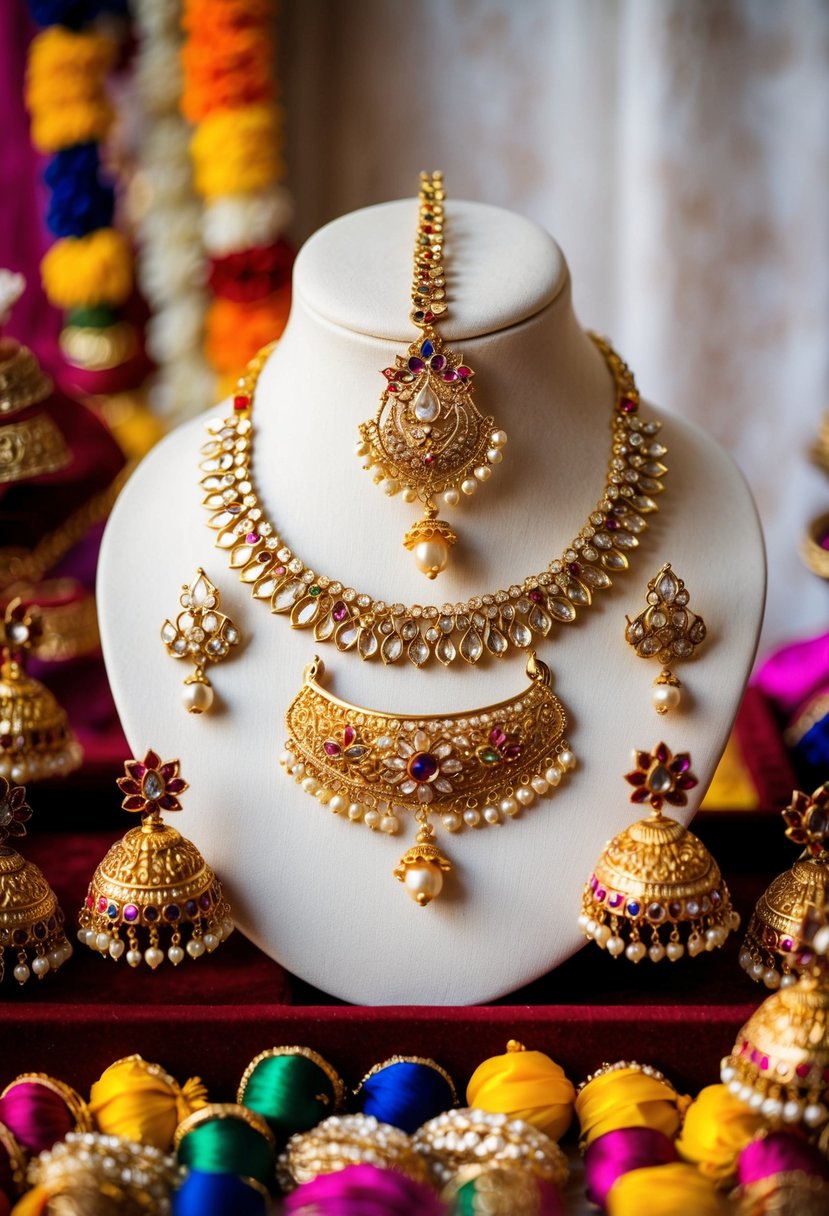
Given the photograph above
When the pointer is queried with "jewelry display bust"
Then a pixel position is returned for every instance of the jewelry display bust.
(306, 886)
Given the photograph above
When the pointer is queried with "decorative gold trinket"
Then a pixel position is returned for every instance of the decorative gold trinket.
(201, 634)
(667, 630)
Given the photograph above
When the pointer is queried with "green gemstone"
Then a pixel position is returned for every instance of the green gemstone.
(488, 755)
(314, 590)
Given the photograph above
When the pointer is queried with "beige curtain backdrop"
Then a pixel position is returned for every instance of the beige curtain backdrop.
(678, 150)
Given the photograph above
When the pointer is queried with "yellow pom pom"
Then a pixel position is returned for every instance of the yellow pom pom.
(628, 1097)
(236, 151)
(717, 1128)
(81, 271)
(140, 1101)
(65, 89)
(665, 1190)
(525, 1085)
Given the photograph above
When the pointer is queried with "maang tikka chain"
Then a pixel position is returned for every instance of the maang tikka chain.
(428, 439)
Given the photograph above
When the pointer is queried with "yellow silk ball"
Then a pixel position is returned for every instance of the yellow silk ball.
(628, 1097)
(665, 1190)
(80, 271)
(525, 1085)
(140, 1101)
(717, 1128)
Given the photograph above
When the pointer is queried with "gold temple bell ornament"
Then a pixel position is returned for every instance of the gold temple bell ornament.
(667, 630)
(154, 885)
(201, 634)
(656, 879)
(428, 439)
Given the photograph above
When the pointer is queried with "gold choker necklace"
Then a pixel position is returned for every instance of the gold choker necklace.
(486, 624)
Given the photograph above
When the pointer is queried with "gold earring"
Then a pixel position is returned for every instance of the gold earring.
(667, 630)
(428, 440)
(656, 877)
(203, 635)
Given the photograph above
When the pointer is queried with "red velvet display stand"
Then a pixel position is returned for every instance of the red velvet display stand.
(210, 1017)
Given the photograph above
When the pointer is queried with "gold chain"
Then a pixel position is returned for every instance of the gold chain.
(489, 624)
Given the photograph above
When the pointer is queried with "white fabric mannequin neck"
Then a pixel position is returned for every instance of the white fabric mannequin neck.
(313, 890)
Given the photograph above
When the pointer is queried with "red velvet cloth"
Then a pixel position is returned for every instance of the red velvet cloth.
(212, 1016)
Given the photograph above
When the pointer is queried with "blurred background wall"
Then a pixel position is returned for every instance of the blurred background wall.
(678, 151)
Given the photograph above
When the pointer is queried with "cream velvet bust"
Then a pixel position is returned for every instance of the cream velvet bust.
(313, 890)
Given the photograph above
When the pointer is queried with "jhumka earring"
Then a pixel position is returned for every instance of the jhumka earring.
(666, 630)
(203, 635)
(772, 946)
(428, 439)
(656, 877)
(154, 882)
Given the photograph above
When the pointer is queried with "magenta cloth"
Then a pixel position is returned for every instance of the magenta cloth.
(620, 1151)
(363, 1190)
(36, 1115)
(777, 1153)
(794, 673)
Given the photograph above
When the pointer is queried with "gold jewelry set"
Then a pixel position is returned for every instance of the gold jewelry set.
(428, 441)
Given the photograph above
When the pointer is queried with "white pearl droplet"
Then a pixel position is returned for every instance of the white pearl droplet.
(525, 795)
(665, 697)
(338, 804)
(116, 948)
(483, 472)
(471, 817)
(553, 775)
(175, 954)
(133, 957)
(211, 942)
(195, 947)
(432, 556)
(102, 941)
(635, 952)
(494, 455)
(153, 957)
(498, 438)
(567, 759)
(423, 881)
(409, 494)
(197, 697)
(540, 785)
(451, 821)
(492, 814)
(451, 497)
(508, 806)
(371, 819)
(21, 973)
(469, 485)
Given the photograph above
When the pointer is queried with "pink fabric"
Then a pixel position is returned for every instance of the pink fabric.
(795, 673)
(36, 1115)
(777, 1153)
(363, 1190)
(618, 1152)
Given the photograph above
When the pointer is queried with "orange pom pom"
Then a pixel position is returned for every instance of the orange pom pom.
(235, 332)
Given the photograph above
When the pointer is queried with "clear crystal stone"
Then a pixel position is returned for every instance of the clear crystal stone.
(426, 404)
(496, 642)
(561, 610)
(152, 785)
(168, 632)
(540, 621)
(287, 596)
(520, 635)
(392, 648)
(418, 652)
(667, 587)
(367, 644)
(660, 780)
(471, 646)
(445, 650)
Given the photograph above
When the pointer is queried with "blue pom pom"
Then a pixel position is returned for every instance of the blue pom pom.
(80, 202)
(406, 1094)
(72, 13)
(203, 1194)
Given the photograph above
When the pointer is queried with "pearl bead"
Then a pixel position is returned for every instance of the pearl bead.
(755, 1101)
(298, 772)
(471, 817)
(102, 941)
(153, 957)
(362, 449)
(483, 472)
(211, 942)
(390, 487)
(712, 939)
(371, 819)
(635, 952)
(325, 795)
(553, 775)
(432, 556)
(665, 697)
(338, 804)
(791, 1112)
(492, 814)
(81, 936)
(508, 806)
(287, 759)
(451, 821)
(355, 811)
(745, 959)
(772, 1108)
(756, 971)
(40, 966)
(498, 438)
(451, 497)
(18, 772)
(390, 824)
(494, 455)
(540, 785)
(771, 978)
(409, 494)
(176, 955)
(310, 785)
(378, 474)
(469, 486)
(602, 935)
(656, 952)
(814, 1114)
(116, 948)
(786, 981)
(567, 760)
(21, 973)
(55, 958)
(195, 947)
(674, 950)
(820, 944)
(423, 881)
(133, 957)
(197, 697)
(525, 795)
(615, 946)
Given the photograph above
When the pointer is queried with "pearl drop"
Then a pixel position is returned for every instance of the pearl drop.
(674, 950)
(791, 1112)
(471, 817)
(567, 759)
(786, 981)
(727, 1072)
(325, 795)
(390, 487)
(602, 935)
(451, 821)
(665, 697)
(175, 954)
(389, 824)
(338, 804)
(18, 772)
(310, 785)
(615, 946)
(772, 1108)
(287, 759)
(423, 881)
(755, 1101)
(756, 971)
(432, 556)
(590, 927)
(197, 697)
(298, 772)
(102, 942)
(712, 939)
(820, 943)
(508, 806)
(55, 958)
(635, 952)
(525, 795)
(745, 959)
(153, 957)
(451, 497)
(656, 952)
(133, 957)
(371, 819)
(81, 936)
(40, 966)
(355, 811)
(771, 978)
(21, 973)
(492, 814)
(498, 438)
(553, 775)
(494, 455)
(211, 942)
(582, 921)
(362, 449)
(195, 947)
(483, 472)
(409, 494)
(814, 1114)
(116, 948)
(540, 785)
(469, 486)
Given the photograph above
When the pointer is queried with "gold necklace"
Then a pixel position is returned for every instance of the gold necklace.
(489, 624)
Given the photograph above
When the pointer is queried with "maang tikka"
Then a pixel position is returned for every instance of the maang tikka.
(428, 439)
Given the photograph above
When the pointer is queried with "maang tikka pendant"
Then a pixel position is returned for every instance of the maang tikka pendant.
(428, 439)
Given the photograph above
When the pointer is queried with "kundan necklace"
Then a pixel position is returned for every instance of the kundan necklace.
(489, 624)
